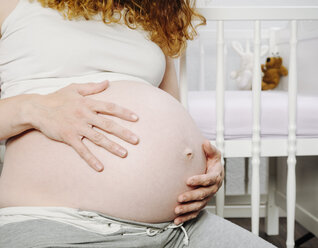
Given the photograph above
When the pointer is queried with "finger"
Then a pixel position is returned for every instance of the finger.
(198, 194)
(113, 109)
(113, 128)
(82, 150)
(90, 88)
(191, 207)
(203, 180)
(210, 150)
(186, 217)
(101, 140)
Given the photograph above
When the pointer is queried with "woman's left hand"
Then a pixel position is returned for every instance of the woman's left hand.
(205, 186)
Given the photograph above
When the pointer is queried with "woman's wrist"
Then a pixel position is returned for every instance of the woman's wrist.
(30, 116)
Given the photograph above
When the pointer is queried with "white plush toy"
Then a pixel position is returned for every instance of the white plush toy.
(244, 75)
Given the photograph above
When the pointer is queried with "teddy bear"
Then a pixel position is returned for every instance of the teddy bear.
(273, 70)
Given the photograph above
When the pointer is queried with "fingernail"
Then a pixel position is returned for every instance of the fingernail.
(178, 211)
(177, 222)
(191, 181)
(134, 139)
(99, 167)
(134, 117)
(122, 152)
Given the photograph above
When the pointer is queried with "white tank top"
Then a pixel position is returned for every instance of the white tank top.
(40, 52)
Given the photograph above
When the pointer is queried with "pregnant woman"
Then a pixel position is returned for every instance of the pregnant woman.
(95, 163)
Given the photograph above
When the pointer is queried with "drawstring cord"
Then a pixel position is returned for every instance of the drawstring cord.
(186, 237)
(150, 231)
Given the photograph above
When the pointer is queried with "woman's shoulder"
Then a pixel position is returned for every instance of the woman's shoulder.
(7, 6)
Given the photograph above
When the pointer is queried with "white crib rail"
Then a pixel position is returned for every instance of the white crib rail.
(258, 147)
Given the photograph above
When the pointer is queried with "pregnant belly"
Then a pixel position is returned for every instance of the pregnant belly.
(144, 186)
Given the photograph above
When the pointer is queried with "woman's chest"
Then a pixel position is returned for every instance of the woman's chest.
(42, 44)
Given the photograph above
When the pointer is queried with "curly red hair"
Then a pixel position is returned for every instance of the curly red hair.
(168, 22)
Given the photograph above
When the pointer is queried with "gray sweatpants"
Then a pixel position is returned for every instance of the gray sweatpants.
(207, 230)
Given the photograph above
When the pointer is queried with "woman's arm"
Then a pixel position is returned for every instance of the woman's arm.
(68, 116)
(169, 82)
(15, 115)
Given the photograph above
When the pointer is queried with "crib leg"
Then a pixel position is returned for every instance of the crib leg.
(220, 196)
(272, 211)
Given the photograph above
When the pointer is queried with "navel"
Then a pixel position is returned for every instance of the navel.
(188, 152)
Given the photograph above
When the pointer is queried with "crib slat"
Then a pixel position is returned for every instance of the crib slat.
(291, 161)
(256, 92)
(183, 84)
(272, 41)
(220, 109)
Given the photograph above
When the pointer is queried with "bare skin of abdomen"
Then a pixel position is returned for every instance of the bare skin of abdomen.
(143, 186)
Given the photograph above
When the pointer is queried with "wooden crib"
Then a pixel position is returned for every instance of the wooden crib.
(256, 146)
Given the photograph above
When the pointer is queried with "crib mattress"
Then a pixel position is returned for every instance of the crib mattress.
(238, 118)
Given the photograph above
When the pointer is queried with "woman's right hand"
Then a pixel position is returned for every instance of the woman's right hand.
(67, 116)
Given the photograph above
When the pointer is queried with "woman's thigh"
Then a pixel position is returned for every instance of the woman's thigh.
(42, 233)
(209, 230)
